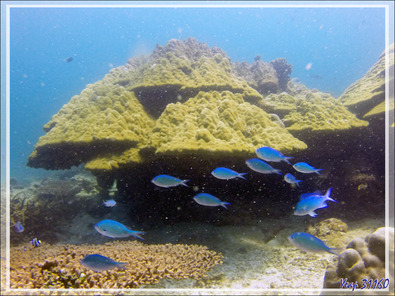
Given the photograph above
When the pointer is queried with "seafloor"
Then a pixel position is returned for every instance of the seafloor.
(250, 266)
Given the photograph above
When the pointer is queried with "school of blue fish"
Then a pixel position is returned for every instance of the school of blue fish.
(307, 205)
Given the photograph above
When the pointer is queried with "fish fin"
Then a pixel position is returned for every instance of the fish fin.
(318, 171)
(324, 205)
(137, 234)
(241, 175)
(312, 214)
(224, 204)
(286, 159)
(317, 192)
(183, 183)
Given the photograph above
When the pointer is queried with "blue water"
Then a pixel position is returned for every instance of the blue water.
(340, 43)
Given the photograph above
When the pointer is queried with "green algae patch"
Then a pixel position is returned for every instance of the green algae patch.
(312, 112)
(218, 122)
(369, 91)
(103, 118)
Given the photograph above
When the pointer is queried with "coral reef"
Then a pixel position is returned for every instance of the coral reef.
(363, 259)
(58, 266)
(103, 118)
(219, 122)
(112, 122)
(364, 96)
(260, 75)
(308, 112)
(283, 70)
(44, 206)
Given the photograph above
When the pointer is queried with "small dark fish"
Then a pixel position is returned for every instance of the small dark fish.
(19, 227)
(36, 242)
(70, 59)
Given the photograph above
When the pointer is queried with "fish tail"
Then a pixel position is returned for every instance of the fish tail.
(241, 175)
(297, 182)
(286, 159)
(327, 195)
(224, 204)
(122, 265)
(138, 234)
(318, 171)
(183, 183)
(278, 172)
(335, 251)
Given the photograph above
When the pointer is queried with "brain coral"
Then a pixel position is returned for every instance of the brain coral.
(365, 94)
(56, 266)
(218, 122)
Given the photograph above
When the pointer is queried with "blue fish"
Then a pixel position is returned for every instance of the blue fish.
(19, 227)
(226, 174)
(309, 202)
(100, 263)
(168, 181)
(109, 203)
(262, 167)
(35, 242)
(310, 243)
(206, 199)
(303, 167)
(270, 154)
(115, 229)
(289, 178)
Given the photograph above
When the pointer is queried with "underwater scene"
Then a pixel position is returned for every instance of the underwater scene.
(198, 150)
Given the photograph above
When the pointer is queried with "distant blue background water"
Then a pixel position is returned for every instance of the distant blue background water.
(341, 43)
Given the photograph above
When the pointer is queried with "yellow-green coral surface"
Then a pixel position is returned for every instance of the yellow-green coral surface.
(104, 117)
(368, 92)
(312, 112)
(219, 122)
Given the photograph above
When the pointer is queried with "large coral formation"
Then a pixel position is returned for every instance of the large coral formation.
(112, 122)
(57, 266)
(366, 94)
(219, 122)
(304, 111)
(363, 259)
(103, 118)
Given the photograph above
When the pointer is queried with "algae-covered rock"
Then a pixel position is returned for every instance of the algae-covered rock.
(103, 118)
(368, 92)
(219, 122)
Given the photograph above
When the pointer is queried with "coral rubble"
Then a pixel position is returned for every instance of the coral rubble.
(58, 266)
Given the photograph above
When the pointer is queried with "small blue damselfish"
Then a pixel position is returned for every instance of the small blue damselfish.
(271, 154)
(167, 181)
(227, 174)
(310, 243)
(100, 263)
